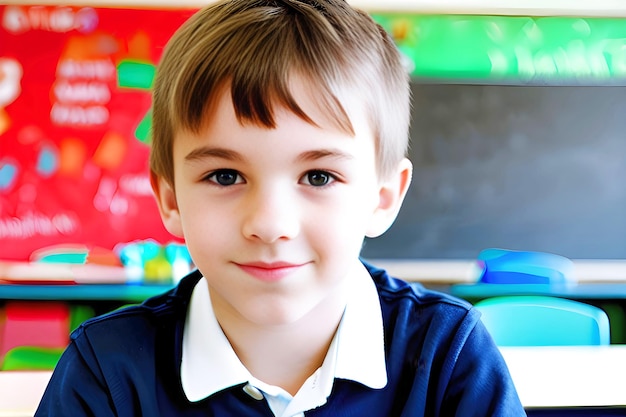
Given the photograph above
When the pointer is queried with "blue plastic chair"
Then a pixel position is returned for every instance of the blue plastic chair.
(527, 320)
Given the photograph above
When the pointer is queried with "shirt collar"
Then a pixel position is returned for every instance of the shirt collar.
(361, 335)
(209, 363)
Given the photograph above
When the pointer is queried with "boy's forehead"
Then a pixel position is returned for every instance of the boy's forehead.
(307, 95)
(313, 102)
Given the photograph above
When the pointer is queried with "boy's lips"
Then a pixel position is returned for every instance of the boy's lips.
(269, 271)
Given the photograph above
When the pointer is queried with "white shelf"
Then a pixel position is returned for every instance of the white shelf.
(460, 271)
(500, 7)
(608, 8)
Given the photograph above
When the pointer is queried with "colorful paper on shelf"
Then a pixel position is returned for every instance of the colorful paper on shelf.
(74, 115)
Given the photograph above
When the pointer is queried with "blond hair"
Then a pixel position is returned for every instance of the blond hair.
(254, 46)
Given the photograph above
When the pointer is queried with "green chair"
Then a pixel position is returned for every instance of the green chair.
(525, 320)
(38, 358)
(31, 358)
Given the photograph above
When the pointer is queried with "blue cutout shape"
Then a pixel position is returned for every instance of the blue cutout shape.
(8, 174)
(47, 162)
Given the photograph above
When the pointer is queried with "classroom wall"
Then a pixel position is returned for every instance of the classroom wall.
(528, 167)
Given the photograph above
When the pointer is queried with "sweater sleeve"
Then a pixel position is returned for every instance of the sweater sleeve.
(76, 388)
(480, 383)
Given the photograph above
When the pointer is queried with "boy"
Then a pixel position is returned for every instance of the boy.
(279, 139)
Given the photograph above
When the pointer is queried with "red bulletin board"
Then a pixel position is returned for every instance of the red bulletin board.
(74, 117)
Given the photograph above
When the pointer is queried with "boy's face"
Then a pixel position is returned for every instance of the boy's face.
(275, 218)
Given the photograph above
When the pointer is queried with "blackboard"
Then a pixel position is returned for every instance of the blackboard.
(524, 167)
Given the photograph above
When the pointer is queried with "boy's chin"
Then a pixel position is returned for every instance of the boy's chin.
(290, 312)
(287, 314)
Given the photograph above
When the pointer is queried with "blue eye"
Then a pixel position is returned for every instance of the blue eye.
(224, 177)
(318, 178)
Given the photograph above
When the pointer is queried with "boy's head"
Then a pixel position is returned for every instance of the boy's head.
(255, 47)
(285, 123)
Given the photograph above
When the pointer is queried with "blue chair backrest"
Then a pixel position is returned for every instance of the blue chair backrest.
(526, 320)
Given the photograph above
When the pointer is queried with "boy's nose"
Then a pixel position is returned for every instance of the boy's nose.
(271, 215)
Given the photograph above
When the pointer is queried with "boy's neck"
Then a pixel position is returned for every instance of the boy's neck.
(286, 355)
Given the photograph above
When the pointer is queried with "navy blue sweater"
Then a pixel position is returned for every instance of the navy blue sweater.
(440, 362)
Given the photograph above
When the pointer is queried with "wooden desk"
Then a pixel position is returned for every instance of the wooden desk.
(568, 376)
(545, 377)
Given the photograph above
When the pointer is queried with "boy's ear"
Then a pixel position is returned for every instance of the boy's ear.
(168, 206)
(391, 195)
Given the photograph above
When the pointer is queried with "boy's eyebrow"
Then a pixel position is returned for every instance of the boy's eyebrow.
(316, 154)
(228, 154)
(210, 152)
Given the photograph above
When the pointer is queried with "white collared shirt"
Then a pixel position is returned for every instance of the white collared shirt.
(209, 363)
